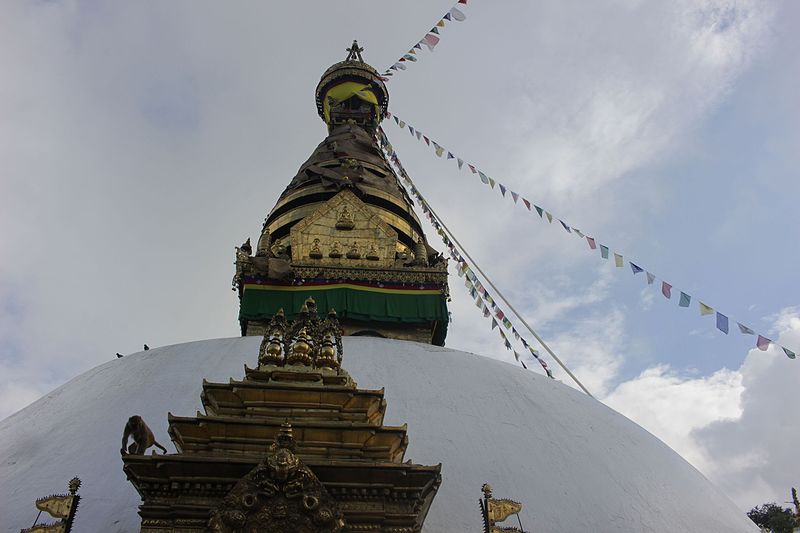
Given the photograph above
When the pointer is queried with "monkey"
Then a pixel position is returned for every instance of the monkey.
(142, 437)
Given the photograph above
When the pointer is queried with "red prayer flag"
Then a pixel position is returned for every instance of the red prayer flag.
(527, 204)
(591, 242)
(665, 289)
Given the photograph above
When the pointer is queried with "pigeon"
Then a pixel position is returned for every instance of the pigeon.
(119, 355)
(146, 347)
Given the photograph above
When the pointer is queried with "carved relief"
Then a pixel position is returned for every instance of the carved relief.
(356, 234)
(280, 495)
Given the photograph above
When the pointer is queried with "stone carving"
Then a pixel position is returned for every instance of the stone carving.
(372, 254)
(336, 251)
(143, 438)
(280, 495)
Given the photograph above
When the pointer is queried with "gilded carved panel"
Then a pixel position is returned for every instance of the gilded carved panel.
(344, 231)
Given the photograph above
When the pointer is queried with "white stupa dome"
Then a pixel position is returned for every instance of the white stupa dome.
(575, 464)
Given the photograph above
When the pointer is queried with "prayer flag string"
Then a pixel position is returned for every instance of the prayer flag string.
(762, 342)
(429, 41)
(483, 299)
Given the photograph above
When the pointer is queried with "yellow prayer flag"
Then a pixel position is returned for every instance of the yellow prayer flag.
(618, 259)
(705, 310)
(549, 217)
(440, 23)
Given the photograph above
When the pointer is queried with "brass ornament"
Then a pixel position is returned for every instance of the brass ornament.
(345, 221)
(327, 353)
(335, 252)
(280, 495)
(497, 510)
(301, 350)
(315, 252)
(353, 252)
(60, 506)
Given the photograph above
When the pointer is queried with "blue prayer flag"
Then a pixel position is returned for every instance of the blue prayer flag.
(722, 323)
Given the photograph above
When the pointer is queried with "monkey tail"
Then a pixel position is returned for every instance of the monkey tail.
(155, 443)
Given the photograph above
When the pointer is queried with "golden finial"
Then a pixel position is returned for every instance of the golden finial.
(327, 353)
(300, 350)
(354, 52)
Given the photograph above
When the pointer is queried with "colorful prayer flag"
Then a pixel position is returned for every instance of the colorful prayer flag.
(744, 329)
(592, 243)
(440, 23)
(549, 217)
(636, 268)
(618, 260)
(484, 177)
(457, 14)
(705, 309)
(506, 322)
(604, 251)
(666, 289)
(472, 168)
(427, 141)
(450, 155)
(565, 226)
(494, 323)
(460, 163)
(650, 278)
(527, 204)
(499, 314)
(685, 300)
(439, 150)
(502, 189)
(419, 135)
(515, 196)
(491, 183)
(722, 323)
(539, 210)
(790, 354)
(763, 343)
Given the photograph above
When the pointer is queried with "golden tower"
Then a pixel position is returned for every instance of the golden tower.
(344, 230)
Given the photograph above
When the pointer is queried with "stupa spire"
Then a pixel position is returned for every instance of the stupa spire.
(345, 229)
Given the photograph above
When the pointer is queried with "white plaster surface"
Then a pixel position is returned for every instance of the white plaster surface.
(576, 465)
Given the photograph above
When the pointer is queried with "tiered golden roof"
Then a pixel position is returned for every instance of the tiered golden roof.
(337, 435)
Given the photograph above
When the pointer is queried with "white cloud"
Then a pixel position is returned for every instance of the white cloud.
(736, 426)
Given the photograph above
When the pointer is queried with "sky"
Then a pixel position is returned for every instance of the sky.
(141, 141)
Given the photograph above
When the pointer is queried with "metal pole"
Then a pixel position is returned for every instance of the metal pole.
(520, 524)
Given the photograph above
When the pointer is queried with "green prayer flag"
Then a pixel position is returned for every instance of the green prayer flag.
(685, 300)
